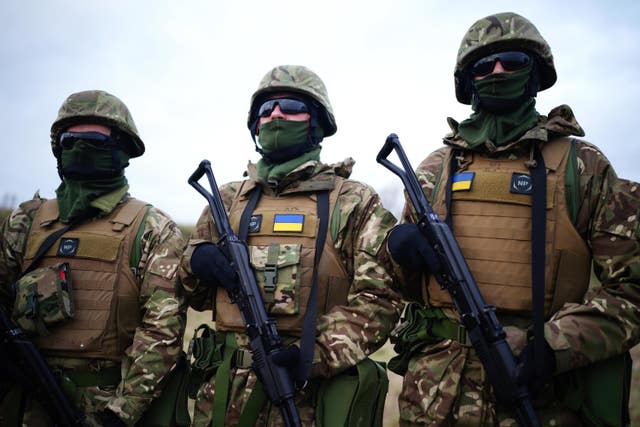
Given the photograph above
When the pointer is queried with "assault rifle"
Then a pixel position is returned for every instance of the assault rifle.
(485, 331)
(23, 363)
(264, 340)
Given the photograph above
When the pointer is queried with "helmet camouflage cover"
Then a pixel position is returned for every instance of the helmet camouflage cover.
(295, 79)
(498, 33)
(96, 107)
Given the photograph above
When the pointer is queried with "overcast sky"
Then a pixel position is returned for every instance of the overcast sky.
(187, 69)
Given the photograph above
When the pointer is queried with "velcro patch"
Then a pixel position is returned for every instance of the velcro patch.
(68, 247)
(254, 223)
(462, 181)
(521, 183)
(288, 222)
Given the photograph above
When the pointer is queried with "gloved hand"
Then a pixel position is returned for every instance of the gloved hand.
(109, 419)
(526, 369)
(409, 248)
(210, 265)
(287, 357)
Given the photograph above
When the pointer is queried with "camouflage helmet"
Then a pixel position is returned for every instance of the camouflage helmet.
(99, 107)
(499, 33)
(295, 79)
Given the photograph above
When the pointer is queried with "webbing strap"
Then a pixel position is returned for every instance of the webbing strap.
(538, 238)
(252, 408)
(51, 239)
(223, 381)
(453, 167)
(308, 339)
(243, 232)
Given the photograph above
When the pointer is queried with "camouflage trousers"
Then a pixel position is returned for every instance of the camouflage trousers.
(243, 382)
(445, 385)
(89, 402)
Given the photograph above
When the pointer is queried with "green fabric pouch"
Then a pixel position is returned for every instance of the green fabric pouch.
(44, 299)
(420, 326)
(599, 392)
(206, 348)
(353, 398)
(170, 408)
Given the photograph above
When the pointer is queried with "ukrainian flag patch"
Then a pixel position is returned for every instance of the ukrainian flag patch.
(462, 181)
(288, 222)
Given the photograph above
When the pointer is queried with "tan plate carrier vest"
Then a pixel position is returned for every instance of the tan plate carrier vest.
(333, 282)
(493, 228)
(105, 290)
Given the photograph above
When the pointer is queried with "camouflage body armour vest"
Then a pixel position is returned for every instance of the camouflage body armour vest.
(105, 290)
(281, 241)
(492, 223)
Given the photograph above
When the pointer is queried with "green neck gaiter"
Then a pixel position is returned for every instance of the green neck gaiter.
(274, 172)
(89, 172)
(504, 127)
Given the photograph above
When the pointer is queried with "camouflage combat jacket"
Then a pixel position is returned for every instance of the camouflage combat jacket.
(346, 334)
(445, 383)
(157, 340)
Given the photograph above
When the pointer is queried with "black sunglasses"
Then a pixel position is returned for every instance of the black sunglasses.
(511, 61)
(287, 106)
(68, 139)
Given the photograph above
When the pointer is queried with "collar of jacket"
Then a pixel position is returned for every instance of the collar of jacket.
(558, 123)
(309, 176)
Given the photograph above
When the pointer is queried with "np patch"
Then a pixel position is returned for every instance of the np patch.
(462, 181)
(288, 222)
(68, 247)
(521, 183)
(254, 223)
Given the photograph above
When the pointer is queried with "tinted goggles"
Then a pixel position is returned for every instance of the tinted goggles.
(511, 61)
(287, 106)
(68, 139)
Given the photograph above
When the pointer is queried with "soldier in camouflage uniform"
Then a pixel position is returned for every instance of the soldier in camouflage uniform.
(481, 182)
(357, 307)
(127, 318)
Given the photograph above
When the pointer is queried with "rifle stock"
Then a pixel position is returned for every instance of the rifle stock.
(264, 339)
(485, 331)
(20, 353)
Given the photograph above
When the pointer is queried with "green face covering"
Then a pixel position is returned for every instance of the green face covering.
(281, 134)
(90, 172)
(508, 125)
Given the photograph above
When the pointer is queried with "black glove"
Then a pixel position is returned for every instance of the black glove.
(526, 370)
(410, 249)
(109, 419)
(210, 265)
(287, 357)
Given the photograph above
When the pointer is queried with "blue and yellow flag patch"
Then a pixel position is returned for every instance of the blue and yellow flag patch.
(288, 222)
(462, 181)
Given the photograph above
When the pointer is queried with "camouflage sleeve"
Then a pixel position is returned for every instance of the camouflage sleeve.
(347, 334)
(200, 295)
(14, 232)
(607, 323)
(428, 173)
(158, 339)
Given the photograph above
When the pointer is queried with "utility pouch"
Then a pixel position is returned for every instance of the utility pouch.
(599, 392)
(44, 299)
(206, 348)
(354, 398)
(170, 408)
(277, 270)
(419, 326)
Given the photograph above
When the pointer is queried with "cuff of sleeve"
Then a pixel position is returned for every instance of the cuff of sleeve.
(560, 346)
(130, 410)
